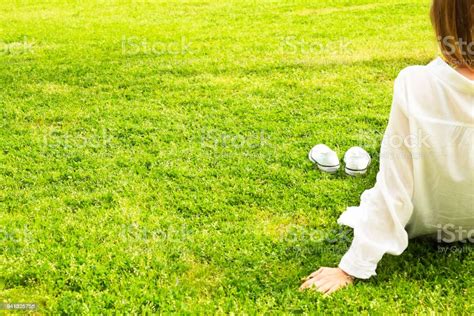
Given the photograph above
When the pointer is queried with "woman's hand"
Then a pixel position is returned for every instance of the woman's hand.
(327, 280)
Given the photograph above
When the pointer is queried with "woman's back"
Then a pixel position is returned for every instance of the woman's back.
(439, 103)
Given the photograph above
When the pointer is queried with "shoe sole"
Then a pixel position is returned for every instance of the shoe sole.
(354, 173)
(328, 169)
(357, 172)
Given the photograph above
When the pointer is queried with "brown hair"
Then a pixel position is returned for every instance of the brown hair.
(453, 23)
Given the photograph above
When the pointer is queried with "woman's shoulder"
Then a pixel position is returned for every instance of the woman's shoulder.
(417, 79)
(429, 91)
(414, 73)
(414, 87)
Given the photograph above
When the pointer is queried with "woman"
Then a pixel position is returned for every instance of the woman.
(425, 185)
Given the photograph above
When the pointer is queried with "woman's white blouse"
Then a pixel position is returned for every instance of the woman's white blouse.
(425, 185)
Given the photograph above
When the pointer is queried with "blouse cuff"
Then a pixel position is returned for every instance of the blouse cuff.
(356, 267)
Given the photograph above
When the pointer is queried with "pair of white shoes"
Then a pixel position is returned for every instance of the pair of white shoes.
(356, 159)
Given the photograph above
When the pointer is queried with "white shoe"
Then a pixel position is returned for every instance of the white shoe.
(357, 161)
(324, 158)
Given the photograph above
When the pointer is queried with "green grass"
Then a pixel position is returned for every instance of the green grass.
(153, 155)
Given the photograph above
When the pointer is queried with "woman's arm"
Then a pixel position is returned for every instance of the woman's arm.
(379, 222)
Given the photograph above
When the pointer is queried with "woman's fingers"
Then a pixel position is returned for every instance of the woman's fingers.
(306, 285)
(324, 285)
(333, 289)
(317, 272)
(326, 280)
(312, 275)
(313, 283)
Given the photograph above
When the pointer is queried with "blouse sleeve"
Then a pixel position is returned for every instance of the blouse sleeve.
(379, 222)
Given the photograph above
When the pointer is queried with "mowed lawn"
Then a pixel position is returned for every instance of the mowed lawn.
(154, 155)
